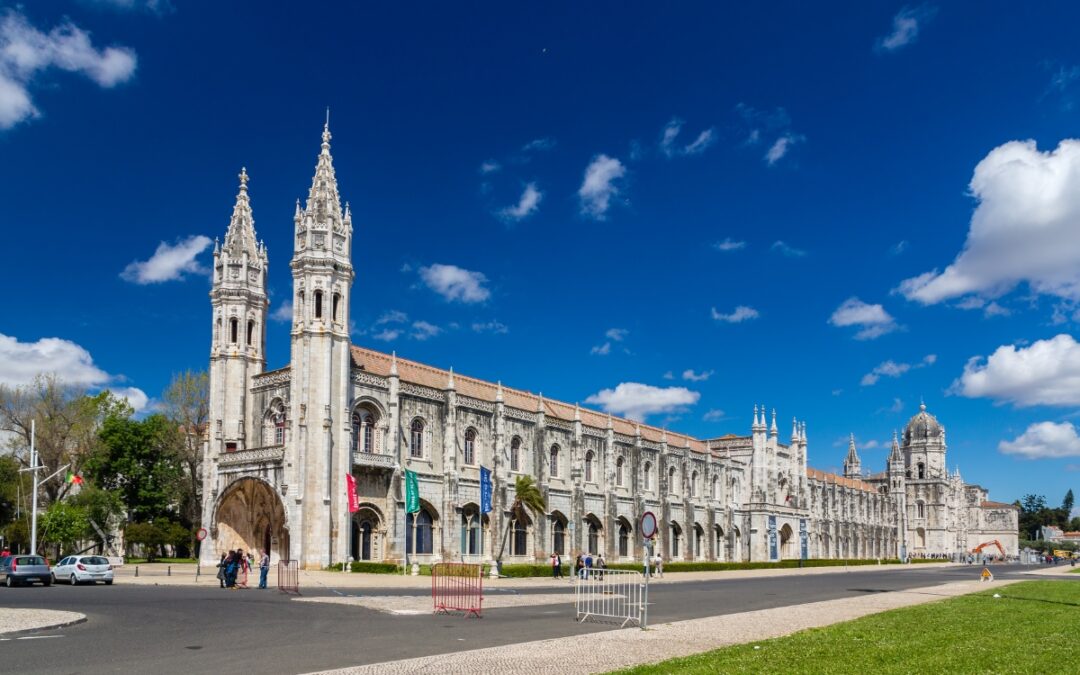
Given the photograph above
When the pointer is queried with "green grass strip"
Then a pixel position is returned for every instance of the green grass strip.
(1033, 628)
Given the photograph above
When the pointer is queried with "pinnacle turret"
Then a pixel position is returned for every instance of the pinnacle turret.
(240, 237)
(323, 202)
(852, 465)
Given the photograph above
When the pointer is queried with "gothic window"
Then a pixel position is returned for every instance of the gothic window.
(693, 484)
(594, 537)
(920, 510)
(558, 537)
(363, 427)
(470, 446)
(416, 438)
(233, 330)
(648, 475)
(274, 425)
(554, 456)
(515, 454)
(217, 331)
(671, 486)
(472, 539)
(589, 459)
(337, 302)
(624, 540)
(250, 332)
(922, 470)
(520, 543)
(715, 488)
(418, 532)
(299, 311)
(676, 532)
(619, 471)
(318, 304)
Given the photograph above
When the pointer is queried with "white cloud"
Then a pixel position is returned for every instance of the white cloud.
(897, 406)
(669, 375)
(899, 247)
(26, 53)
(170, 262)
(1045, 373)
(637, 401)
(741, 313)
(729, 244)
(670, 134)
(422, 330)
(541, 144)
(387, 334)
(527, 204)
(1024, 229)
(701, 143)
(492, 326)
(873, 320)
(891, 368)
(599, 187)
(157, 6)
(392, 316)
(283, 312)
(617, 334)
(714, 415)
(136, 398)
(21, 362)
(490, 166)
(455, 283)
(781, 146)
(601, 350)
(905, 27)
(1044, 440)
(784, 249)
(691, 376)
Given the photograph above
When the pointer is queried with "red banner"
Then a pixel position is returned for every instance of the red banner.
(354, 501)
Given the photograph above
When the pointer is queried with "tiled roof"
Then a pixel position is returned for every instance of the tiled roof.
(997, 505)
(378, 363)
(814, 474)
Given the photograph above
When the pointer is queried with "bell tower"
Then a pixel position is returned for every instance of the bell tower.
(239, 302)
(322, 275)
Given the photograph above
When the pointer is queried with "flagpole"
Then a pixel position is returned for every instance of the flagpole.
(34, 470)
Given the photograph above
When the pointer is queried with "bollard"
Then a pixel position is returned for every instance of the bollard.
(136, 570)
(198, 571)
(168, 571)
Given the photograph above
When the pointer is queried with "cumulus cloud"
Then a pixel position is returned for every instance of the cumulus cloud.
(283, 312)
(873, 320)
(170, 262)
(905, 27)
(714, 415)
(26, 53)
(772, 127)
(691, 376)
(599, 187)
(1024, 229)
(490, 166)
(601, 350)
(637, 401)
(617, 334)
(422, 330)
(786, 250)
(135, 397)
(701, 143)
(392, 316)
(455, 283)
(781, 146)
(1047, 372)
(670, 134)
(729, 244)
(1044, 440)
(388, 334)
(21, 362)
(891, 368)
(741, 313)
(527, 204)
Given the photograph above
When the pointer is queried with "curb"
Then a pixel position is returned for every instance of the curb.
(52, 626)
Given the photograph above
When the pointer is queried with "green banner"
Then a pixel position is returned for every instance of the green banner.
(412, 492)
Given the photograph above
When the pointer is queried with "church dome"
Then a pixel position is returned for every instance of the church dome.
(923, 426)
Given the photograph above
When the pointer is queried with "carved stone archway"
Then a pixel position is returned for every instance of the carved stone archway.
(248, 515)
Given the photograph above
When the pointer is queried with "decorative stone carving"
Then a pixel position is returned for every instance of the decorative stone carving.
(422, 392)
(271, 454)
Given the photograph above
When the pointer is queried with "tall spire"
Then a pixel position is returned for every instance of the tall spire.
(240, 237)
(323, 202)
(773, 431)
(450, 379)
(894, 452)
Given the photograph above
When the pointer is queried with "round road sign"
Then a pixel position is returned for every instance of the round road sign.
(648, 525)
(201, 534)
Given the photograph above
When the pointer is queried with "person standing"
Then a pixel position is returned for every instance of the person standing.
(554, 565)
(230, 570)
(221, 571)
(588, 566)
(579, 567)
(243, 567)
(659, 565)
(264, 568)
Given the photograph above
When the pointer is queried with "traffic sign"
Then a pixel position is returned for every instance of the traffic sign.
(201, 534)
(648, 526)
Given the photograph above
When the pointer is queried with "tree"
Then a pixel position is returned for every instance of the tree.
(527, 497)
(187, 405)
(103, 507)
(140, 460)
(67, 423)
(147, 535)
(14, 486)
(63, 524)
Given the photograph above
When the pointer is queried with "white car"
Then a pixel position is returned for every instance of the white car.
(77, 569)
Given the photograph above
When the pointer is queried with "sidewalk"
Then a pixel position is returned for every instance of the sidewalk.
(184, 575)
(19, 620)
(611, 650)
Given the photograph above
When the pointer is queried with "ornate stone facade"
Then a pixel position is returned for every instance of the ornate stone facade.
(281, 444)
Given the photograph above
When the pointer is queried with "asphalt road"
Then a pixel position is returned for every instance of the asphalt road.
(178, 629)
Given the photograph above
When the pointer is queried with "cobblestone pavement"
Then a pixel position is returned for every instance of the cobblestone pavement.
(605, 651)
(16, 620)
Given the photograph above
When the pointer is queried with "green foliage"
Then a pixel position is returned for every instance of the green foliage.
(369, 568)
(139, 459)
(17, 535)
(63, 524)
(527, 497)
(102, 506)
(154, 536)
(1031, 628)
(186, 405)
(10, 491)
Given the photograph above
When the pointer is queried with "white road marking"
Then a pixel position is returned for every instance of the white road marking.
(39, 637)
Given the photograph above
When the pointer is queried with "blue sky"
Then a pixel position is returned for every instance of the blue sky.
(831, 210)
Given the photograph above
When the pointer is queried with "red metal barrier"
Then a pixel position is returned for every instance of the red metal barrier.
(288, 576)
(457, 587)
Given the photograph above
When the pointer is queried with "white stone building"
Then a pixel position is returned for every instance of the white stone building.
(281, 443)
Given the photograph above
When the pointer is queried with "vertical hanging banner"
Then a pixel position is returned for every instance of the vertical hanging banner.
(485, 490)
(354, 501)
(412, 492)
(774, 554)
(804, 538)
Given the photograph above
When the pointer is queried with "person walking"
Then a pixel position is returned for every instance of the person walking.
(264, 568)
(230, 570)
(579, 567)
(221, 571)
(244, 566)
(601, 565)
(659, 561)
(554, 565)
(588, 566)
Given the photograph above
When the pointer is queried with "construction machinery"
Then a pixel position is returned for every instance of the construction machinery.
(979, 549)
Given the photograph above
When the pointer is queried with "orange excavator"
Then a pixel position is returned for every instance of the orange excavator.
(979, 549)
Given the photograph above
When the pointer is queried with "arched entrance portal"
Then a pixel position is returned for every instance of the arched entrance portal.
(367, 534)
(250, 516)
(787, 543)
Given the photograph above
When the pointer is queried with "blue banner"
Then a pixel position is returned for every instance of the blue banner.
(485, 490)
(804, 537)
(774, 554)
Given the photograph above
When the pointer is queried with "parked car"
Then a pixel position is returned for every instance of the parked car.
(78, 569)
(24, 569)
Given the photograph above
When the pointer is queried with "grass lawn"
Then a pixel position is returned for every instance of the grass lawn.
(1032, 628)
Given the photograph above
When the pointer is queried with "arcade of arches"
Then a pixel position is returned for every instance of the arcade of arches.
(250, 516)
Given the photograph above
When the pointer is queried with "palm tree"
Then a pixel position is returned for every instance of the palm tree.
(527, 497)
